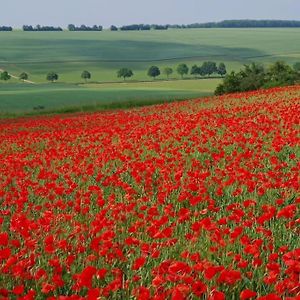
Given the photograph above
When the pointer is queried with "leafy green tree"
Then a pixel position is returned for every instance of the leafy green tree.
(23, 76)
(5, 76)
(280, 74)
(182, 69)
(124, 73)
(52, 76)
(231, 84)
(222, 69)
(153, 72)
(168, 71)
(71, 27)
(195, 70)
(202, 71)
(209, 67)
(254, 77)
(86, 75)
(113, 28)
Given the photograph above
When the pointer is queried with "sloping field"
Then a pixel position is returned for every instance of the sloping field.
(103, 53)
(176, 201)
(20, 98)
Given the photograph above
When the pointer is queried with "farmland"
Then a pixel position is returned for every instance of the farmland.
(176, 201)
(19, 98)
(103, 53)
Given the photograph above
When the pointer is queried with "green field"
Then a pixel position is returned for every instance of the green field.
(103, 53)
(21, 98)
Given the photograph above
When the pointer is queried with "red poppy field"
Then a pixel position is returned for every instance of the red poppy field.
(189, 200)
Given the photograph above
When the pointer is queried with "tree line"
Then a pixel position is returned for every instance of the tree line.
(242, 24)
(208, 68)
(6, 28)
(72, 27)
(138, 27)
(251, 77)
(256, 76)
(41, 28)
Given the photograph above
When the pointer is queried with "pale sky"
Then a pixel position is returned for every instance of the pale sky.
(123, 12)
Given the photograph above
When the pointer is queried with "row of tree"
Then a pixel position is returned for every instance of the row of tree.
(137, 27)
(242, 24)
(72, 27)
(208, 68)
(41, 28)
(256, 76)
(251, 77)
(6, 28)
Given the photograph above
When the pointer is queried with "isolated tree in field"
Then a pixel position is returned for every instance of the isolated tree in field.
(195, 70)
(153, 72)
(5, 76)
(222, 69)
(86, 75)
(168, 71)
(125, 73)
(23, 76)
(52, 76)
(182, 69)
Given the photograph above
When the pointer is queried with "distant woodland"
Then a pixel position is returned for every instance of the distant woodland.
(137, 27)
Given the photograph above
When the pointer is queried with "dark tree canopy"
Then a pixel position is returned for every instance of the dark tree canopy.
(159, 27)
(23, 76)
(5, 76)
(125, 73)
(72, 27)
(6, 28)
(86, 75)
(255, 76)
(241, 24)
(137, 27)
(153, 71)
(52, 76)
(209, 67)
(195, 70)
(41, 28)
(222, 69)
(182, 69)
(113, 28)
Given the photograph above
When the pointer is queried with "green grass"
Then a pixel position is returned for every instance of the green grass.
(22, 98)
(103, 53)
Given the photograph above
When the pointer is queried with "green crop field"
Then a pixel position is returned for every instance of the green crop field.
(18, 98)
(103, 53)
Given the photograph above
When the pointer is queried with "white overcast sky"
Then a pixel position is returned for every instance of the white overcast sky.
(121, 12)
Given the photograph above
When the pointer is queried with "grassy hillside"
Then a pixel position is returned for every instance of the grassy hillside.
(102, 53)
